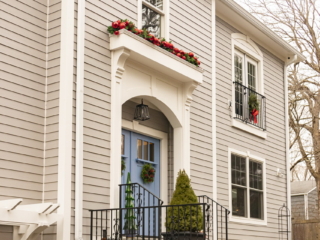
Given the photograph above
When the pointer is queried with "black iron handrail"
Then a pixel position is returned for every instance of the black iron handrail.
(106, 224)
(134, 185)
(243, 112)
(220, 229)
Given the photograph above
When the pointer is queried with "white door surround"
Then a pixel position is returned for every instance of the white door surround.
(169, 88)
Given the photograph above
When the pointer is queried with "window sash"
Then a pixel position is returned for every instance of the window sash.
(246, 71)
(252, 194)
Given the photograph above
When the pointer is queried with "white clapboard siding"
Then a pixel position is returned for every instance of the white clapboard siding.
(272, 148)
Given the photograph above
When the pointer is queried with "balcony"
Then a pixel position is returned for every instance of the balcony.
(149, 219)
(244, 111)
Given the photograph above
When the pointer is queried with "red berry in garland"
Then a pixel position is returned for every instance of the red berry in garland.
(191, 54)
(182, 52)
(115, 25)
(198, 62)
(122, 25)
(116, 33)
(179, 54)
(184, 57)
(119, 21)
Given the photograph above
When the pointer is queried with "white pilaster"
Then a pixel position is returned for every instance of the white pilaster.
(79, 121)
(65, 118)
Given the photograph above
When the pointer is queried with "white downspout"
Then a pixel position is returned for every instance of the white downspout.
(79, 121)
(285, 72)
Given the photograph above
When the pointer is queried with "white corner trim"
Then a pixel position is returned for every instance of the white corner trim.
(306, 205)
(214, 111)
(247, 220)
(79, 122)
(64, 194)
(246, 127)
(134, 126)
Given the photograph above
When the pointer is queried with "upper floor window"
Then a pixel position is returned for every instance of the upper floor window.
(249, 104)
(153, 17)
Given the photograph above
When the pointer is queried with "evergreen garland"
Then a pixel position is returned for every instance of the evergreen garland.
(253, 102)
(161, 42)
(147, 173)
(184, 218)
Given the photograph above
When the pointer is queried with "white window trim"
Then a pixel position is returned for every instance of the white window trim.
(164, 16)
(248, 220)
(244, 44)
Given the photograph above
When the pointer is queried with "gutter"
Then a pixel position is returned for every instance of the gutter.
(79, 122)
(264, 29)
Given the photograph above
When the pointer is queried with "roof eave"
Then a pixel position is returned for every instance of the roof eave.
(238, 17)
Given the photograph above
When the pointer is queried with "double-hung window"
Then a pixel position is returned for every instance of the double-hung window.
(153, 17)
(249, 104)
(247, 188)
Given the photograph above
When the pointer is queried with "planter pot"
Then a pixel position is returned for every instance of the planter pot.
(183, 236)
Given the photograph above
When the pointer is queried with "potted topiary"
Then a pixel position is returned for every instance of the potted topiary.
(184, 222)
(253, 107)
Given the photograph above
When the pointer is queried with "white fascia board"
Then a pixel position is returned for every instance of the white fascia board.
(155, 57)
(238, 17)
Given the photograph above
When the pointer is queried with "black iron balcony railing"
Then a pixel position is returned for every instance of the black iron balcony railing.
(247, 113)
(206, 220)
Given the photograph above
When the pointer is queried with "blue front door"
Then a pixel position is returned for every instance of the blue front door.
(138, 150)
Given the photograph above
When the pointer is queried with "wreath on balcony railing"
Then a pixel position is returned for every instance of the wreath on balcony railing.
(128, 25)
(147, 173)
(253, 107)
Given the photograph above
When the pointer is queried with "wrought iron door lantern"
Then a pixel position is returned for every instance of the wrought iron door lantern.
(142, 112)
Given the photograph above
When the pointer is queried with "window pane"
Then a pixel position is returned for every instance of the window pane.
(238, 88)
(238, 201)
(151, 21)
(122, 144)
(139, 149)
(238, 165)
(145, 150)
(156, 3)
(255, 170)
(238, 68)
(251, 76)
(256, 204)
(151, 145)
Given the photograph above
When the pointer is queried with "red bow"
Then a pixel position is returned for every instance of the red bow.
(254, 114)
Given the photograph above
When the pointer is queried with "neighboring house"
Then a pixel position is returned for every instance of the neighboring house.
(68, 95)
(304, 199)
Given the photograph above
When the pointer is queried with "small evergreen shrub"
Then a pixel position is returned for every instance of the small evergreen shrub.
(184, 218)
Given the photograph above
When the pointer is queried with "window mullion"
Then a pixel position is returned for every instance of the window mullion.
(248, 187)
